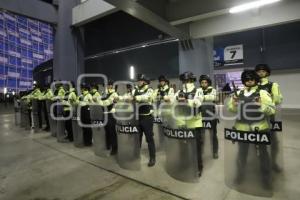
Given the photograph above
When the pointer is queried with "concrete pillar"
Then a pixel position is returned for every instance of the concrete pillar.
(68, 44)
(198, 60)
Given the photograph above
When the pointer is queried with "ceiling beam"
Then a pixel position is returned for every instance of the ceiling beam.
(91, 10)
(140, 12)
(279, 13)
(32, 8)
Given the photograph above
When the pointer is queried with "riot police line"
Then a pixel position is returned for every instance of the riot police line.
(181, 124)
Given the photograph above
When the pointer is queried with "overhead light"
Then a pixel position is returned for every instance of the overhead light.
(5, 90)
(131, 72)
(251, 5)
(144, 45)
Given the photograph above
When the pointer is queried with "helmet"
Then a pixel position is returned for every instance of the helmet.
(264, 67)
(73, 84)
(249, 75)
(162, 78)
(205, 77)
(128, 86)
(84, 86)
(187, 76)
(94, 86)
(110, 82)
(142, 77)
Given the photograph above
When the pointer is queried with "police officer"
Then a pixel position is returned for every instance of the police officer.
(48, 95)
(264, 71)
(69, 101)
(143, 96)
(59, 92)
(37, 94)
(208, 109)
(85, 99)
(95, 92)
(164, 92)
(26, 98)
(262, 105)
(193, 98)
(108, 101)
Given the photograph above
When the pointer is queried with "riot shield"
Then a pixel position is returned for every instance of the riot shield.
(248, 154)
(22, 109)
(35, 111)
(158, 129)
(53, 115)
(128, 136)
(61, 134)
(25, 123)
(98, 130)
(17, 112)
(209, 130)
(180, 145)
(51, 123)
(277, 146)
(77, 130)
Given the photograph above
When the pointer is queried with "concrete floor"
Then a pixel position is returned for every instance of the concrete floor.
(35, 166)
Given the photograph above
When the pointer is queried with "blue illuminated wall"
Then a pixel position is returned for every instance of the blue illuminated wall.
(24, 44)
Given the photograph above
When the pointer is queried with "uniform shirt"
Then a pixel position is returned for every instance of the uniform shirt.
(267, 107)
(195, 102)
(60, 95)
(144, 95)
(198, 98)
(275, 91)
(96, 95)
(48, 95)
(36, 94)
(106, 102)
(72, 97)
(166, 97)
(211, 96)
(87, 98)
(143, 98)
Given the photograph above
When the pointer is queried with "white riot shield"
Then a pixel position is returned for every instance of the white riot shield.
(248, 155)
(128, 135)
(208, 138)
(77, 130)
(51, 121)
(209, 130)
(53, 115)
(35, 115)
(61, 127)
(180, 146)
(17, 112)
(99, 137)
(24, 114)
(158, 130)
(277, 146)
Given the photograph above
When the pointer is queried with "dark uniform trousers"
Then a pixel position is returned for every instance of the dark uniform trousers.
(40, 108)
(199, 144)
(68, 125)
(215, 136)
(45, 114)
(86, 120)
(146, 126)
(263, 157)
(110, 133)
(206, 111)
(274, 144)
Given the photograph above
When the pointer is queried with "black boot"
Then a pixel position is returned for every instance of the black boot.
(151, 162)
(276, 168)
(215, 155)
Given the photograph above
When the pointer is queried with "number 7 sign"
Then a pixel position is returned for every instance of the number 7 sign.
(233, 54)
